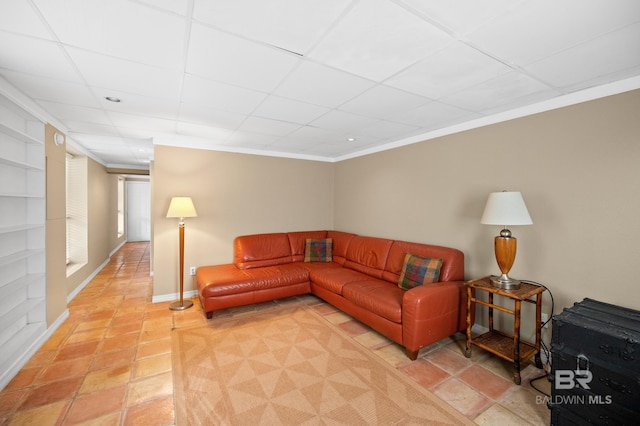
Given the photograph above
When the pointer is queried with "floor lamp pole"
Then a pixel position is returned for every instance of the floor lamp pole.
(181, 305)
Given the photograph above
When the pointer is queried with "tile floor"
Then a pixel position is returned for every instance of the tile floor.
(110, 361)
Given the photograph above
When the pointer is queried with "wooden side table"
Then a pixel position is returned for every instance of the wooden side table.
(509, 347)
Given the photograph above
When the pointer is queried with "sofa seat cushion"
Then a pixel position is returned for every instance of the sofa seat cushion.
(223, 280)
(335, 278)
(378, 297)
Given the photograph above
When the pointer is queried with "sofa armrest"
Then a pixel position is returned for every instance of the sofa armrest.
(432, 312)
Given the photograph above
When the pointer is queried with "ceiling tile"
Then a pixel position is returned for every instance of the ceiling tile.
(383, 101)
(132, 124)
(19, 17)
(267, 126)
(126, 76)
(612, 53)
(386, 129)
(202, 131)
(451, 69)
(314, 135)
(291, 25)
(462, 16)
(496, 92)
(35, 57)
(112, 157)
(45, 89)
(530, 32)
(76, 112)
(342, 121)
(321, 85)
(176, 6)
(98, 142)
(286, 144)
(209, 116)
(250, 139)
(229, 59)
(278, 108)
(378, 38)
(136, 104)
(120, 28)
(210, 94)
(87, 128)
(432, 115)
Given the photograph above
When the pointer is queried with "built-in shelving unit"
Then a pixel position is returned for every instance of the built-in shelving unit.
(22, 235)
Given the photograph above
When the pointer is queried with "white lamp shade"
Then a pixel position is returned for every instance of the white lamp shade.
(506, 209)
(181, 207)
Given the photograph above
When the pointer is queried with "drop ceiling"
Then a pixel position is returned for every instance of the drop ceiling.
(317, 79)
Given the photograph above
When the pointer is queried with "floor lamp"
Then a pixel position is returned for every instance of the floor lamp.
(181, 207)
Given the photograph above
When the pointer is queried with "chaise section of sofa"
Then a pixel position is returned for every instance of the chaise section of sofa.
(360, 278)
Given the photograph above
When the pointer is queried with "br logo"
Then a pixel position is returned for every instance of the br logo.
(570, 379)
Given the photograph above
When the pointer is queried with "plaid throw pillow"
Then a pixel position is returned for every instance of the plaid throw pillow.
(418, 270)
(318, 250)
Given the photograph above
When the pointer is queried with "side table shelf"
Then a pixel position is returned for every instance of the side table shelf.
(507, 346)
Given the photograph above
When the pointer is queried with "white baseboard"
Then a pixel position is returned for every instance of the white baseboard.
(22, 360)
(84, 283)
(174, 296)
(117, 248)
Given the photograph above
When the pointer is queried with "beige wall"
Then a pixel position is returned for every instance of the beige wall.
(102, 206)
(578, 169)
(102, 232)
(234, 194)
(55, 226)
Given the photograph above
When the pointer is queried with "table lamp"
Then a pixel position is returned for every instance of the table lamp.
(181, 207)
(505, 209)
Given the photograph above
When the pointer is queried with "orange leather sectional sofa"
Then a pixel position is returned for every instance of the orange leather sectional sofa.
(361, 280)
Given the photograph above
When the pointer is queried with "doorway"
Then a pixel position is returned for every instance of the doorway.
(138, 211)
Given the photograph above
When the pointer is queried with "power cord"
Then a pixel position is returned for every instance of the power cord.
(543, 346)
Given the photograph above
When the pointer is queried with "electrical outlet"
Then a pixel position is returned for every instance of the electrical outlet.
(544, 318)
(192, 270)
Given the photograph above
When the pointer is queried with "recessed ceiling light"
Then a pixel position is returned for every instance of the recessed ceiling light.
(351, 139)
(112, 99)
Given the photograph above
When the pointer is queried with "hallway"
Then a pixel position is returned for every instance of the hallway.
(109, 362)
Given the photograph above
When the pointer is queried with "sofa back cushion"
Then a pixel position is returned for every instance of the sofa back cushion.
(297, 242)
(341, 242)
(452, 268)
(368, 255)
(255, 251)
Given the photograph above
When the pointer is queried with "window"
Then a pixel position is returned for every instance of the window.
(76, 188)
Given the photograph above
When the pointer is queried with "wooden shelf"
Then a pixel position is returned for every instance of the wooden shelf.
(502, 345)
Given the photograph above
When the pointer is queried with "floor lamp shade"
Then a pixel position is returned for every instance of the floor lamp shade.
(181, 207)
(505, 209)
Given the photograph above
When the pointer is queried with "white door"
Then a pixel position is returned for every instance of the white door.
(138, 211)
